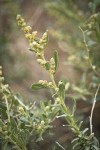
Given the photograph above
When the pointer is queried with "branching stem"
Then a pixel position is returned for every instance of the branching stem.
(88, 53)
(91, 116)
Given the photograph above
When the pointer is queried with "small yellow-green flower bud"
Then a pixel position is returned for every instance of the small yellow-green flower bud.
(39, 61)
(94, 67)
(50, 84)
(0, 67)
(18, 17)
(44, 37)
(35, 43)
(23, 25)
(52, 62)
(31, 45)
(34, 33)
(67, 85)
(52, 66)
(41, 81)
(27, 29)
(42, 122)
(43, 40)
(1, 79)
(39, 127)
(57, 89)
(38, 54)
(43, 62)
(0, 72)
(21, 109)
(47, 108)
(57, 100)
(40, 47)
(6, 86)
(28, 36)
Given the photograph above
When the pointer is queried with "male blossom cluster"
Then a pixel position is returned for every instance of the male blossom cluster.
(37, 45)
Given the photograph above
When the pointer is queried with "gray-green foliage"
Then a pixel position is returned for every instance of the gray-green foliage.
(20, 122)
(7, 17)
(69, 16)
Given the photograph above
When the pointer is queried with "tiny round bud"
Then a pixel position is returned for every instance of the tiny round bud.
(52, 62)
(1, 79)
(86, 57)
(23, 24)
(39, 127)
(38, 54)
(34, 33)
(18, 17)
(40, 81)
(27, 29)
(42, 122)
(0, 73)
(57, 100)
(28, 35)
(50, 84)
(47, 108)
(43, 62)
(57, 89)
(39, 61)
(6, 85)
(0, 67)
(94, 67)
(21, 109)
(34, 43)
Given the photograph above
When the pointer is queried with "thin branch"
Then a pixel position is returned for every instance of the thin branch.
(60, 145)
(91, 116)
(88, 53)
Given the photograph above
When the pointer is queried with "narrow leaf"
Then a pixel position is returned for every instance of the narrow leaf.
(95, 147)
(62, 89)
(56, 59)
(38, 86)
(47, 66)
(85, 130)
(74, 106)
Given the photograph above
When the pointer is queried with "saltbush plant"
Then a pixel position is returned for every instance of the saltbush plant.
(69, 16)
(19, 123)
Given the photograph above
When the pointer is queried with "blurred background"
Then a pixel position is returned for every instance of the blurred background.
(62, 18)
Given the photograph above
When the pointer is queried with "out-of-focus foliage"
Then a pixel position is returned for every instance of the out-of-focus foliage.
(8, 10)
(22, 126)
(19, 123)
(69, 16)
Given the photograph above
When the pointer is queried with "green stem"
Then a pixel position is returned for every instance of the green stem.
(70, 119)
(8, 112)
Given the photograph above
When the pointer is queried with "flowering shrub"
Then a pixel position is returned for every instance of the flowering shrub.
(19, 122)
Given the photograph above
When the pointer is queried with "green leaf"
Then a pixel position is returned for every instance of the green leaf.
(76, 145)
(47, 66)
(74, 106)
(80, 124)
(62, 89)
(85, 131)
(5, 146)
(18, 100)
(74, 140)
(56, 59)
(3, 106)
(38, 86)
(87, 148)
(96, 142)
(13, 123)
(95, 147)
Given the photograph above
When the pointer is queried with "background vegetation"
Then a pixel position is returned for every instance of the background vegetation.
(79, 60)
